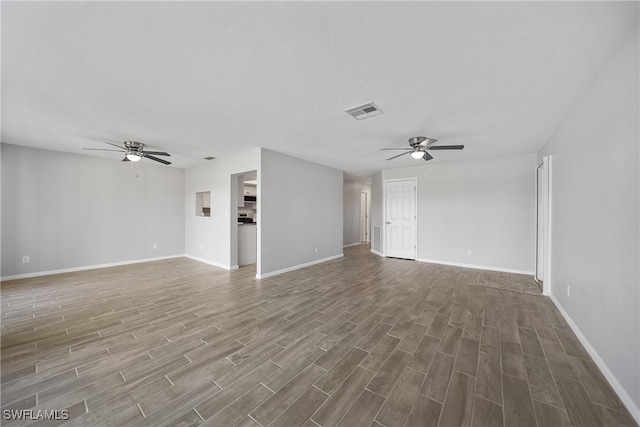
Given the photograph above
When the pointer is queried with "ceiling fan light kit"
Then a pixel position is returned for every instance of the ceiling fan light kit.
(417, 154)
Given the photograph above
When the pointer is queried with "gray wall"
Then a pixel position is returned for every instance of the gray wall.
(301, 209)
(214, 239)
(70, 211)
(485, 205)
(351, 208)
(595, 230)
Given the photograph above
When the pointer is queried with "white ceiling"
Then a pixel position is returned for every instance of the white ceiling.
(219, 78)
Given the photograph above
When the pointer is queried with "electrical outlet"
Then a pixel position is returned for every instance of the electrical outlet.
(316, 249)
(155, 246)
(568, 291)
(26, 259)
(468, 251)
(201, 247)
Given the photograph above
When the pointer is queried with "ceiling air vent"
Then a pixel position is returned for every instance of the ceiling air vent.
(364, 111)
(209, 158)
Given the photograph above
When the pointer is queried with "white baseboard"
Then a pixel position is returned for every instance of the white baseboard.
(478, 267)
(376, 252)
(613, 381)
(87, 267)
(215, 264)
(352, 244)
(297, 267)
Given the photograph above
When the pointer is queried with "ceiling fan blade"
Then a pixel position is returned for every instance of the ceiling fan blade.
(156, 153)
(155, 158)
(122, 148)
(445, 147)
(428, 142)
(102, 149)
(401, 154)
(382, 149)
(427, 156)
(126, 159)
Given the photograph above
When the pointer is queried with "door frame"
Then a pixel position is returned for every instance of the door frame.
(384, 215)
(544, 168)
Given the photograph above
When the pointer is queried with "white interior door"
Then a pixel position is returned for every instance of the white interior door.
(400, 218)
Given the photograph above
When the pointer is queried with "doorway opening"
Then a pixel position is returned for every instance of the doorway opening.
(364, 218)
(400, 218)
(244, 219)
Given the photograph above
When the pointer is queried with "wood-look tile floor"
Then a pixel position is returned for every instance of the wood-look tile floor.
(357, 341)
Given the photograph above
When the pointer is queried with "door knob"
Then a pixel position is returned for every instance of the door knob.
(388, 222)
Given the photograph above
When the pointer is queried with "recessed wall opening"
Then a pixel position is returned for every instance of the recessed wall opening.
(203, 203)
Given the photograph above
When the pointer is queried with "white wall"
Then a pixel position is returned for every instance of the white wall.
(595, 230)
(485, 205)
(214, 239)
(351, 208)
(300, 209)
(69, 211)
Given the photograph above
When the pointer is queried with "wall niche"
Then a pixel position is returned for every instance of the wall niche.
(203, 203)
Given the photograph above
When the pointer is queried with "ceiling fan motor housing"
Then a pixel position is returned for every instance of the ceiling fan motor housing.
(134, 145)
(417, 140)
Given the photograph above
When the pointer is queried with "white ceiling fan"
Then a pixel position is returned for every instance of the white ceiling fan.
(419, 145)
(134, 152)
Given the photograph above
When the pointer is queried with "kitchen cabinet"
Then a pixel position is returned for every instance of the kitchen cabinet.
(247, 244)
(245, 190)
(250, 197)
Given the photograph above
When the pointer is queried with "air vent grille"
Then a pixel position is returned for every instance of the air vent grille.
(209, 158)
(364, 111)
